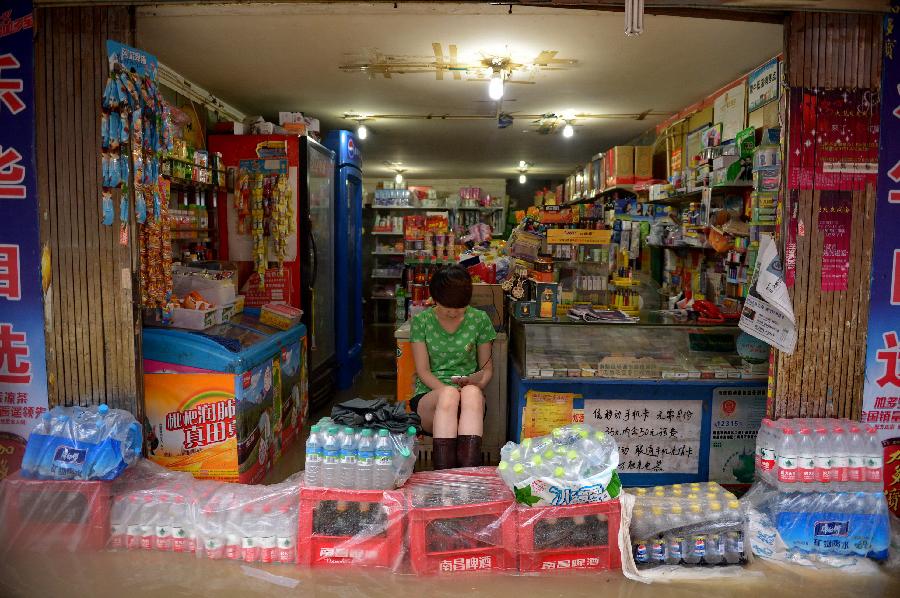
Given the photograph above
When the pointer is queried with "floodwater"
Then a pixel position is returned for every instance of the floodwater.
(161, 575)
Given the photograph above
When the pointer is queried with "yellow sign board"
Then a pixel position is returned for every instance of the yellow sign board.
(577, 236)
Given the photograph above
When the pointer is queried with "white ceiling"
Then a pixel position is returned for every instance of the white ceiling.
(266, 58)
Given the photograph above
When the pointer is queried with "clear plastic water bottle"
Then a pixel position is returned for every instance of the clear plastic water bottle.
(163, 529)
(365, 460)
(181, 524)
(286, 534)
(806, 461)
(331, 458)
(383, 473)
(787, 461)
(133, 524)
(856, 466)
(267, 536)
(675, 537)
(715, 541)
(233, 522)
(118, 523)
(150, 513)
(822, 444)
(348, 459)
(874, 461)
(840, 462)
(315, 451)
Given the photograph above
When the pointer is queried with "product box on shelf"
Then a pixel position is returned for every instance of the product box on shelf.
(643, 163)
(351, 528)
(277, 315)
(44, 515)
(460, 523)
(620, 165)
(583, 536)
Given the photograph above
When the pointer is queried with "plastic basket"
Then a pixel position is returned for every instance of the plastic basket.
(336, 528)
(46, 515)
(569, 537)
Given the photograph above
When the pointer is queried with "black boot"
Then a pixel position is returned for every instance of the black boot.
(468, 451)
(443, 453)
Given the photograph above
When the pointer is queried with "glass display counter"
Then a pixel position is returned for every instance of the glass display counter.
(682, 403)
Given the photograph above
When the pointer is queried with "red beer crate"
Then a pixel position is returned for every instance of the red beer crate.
(447, 535)
(571, 537)
(54, 514)
(336, 528)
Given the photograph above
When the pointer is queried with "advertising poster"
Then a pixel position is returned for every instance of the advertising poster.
(881, 391)
(23, 368)
(833, 138)
(194, 423)
(729, 110)
(737, 414)
(258, 420)
(835, 221)
(544, 411)
(763, 85)
(653, 436)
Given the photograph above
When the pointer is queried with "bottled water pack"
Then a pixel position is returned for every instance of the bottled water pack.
(358, 459)
(687, 524)
(819, 455)
(82, 443)
(171, 512)
(573, 464)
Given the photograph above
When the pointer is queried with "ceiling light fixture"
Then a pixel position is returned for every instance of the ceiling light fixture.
(634, 17)
(362, 131)
(522, 178)
(523, 168)
(568, 130)
(398, 179)
(522, 164)
(495, 87)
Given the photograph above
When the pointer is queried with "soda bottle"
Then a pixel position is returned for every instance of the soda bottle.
(314, 454)
(695, 540)
(715, 541)
(787, 461)
(365, 460)
(656, 529)
(639, 547)
(806, 461)
(874, 461)
(675, 536)
(734, 540)
(856, 467)
(840, 459)
(383, 472)
(331, 457)
(823, 460)
(347, 469)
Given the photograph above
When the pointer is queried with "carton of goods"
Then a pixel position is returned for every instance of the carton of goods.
(280, 316)
(620, 165)
(643, 163)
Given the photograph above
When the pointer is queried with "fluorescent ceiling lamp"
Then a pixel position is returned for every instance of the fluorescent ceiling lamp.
(522, 178)
(568, 131)
(362, 132)
(398, 179)
(495, 88)
(522, 164)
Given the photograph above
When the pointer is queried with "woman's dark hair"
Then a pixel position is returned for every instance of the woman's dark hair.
(451, 286)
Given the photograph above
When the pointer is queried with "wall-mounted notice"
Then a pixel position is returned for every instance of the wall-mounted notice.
(736, 416)
(544, 411)
(653, 436)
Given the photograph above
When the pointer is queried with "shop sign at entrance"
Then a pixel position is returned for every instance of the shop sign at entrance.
(881, 392)
(23, 375)
(571, 236)
(762, 85)
(653, 436)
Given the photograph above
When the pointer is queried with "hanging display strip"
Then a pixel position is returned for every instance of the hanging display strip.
(263, 206)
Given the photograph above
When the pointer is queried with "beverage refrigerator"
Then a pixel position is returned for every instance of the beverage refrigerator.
(310, 260)
(348, 195)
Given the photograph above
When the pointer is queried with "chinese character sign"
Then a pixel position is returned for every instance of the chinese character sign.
(881, 393)
(653, 436)
(23, 377)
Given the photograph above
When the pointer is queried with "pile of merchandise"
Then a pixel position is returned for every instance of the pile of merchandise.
(819, 492)
(687, 525)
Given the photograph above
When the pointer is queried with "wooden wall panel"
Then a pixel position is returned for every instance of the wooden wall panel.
(824, 377)
(93, 336)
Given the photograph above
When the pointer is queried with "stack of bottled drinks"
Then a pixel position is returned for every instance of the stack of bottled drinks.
(171, 512)
(358, 458)
(691, 525)
(819, 455)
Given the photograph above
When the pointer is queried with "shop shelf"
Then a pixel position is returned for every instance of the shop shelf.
(387, 232)
(581, 536)
(54, 514)
(350, 528)
(394, 253)
(697, 194)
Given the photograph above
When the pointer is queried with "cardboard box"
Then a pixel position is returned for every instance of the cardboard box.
(489, 299)
(620, 165)
(643, 163)
(280, 316)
